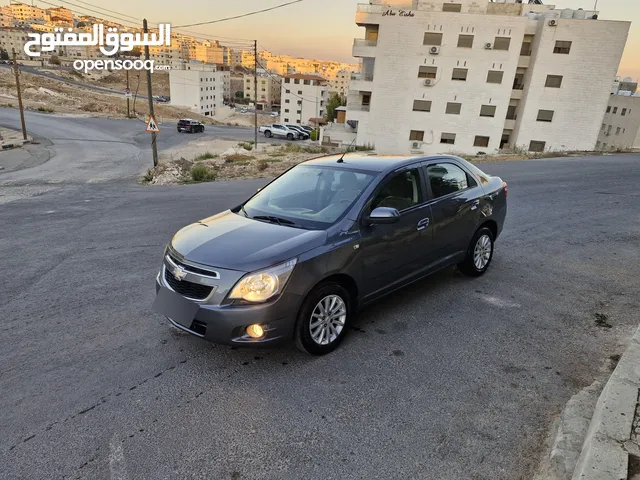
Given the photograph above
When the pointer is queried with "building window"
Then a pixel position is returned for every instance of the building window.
(427, 72)
(609, 129)
(617, 130)
(286, 80)
(465, 41)
(299, 92)
(545, 116)
(422, 105)
(494, 76)
(537, 146)
(449, 138)
(623, 112)
(452, 7)
(299, 112)
(615, 110)
(608, 109)
(603, 127)
(453, 108)
(286, 120)
(459, 74)
(432, 39)
(562, 46)
(501, 43)
(598, 144)
(286, 101)
(511, 112)
(416, 135)
(296, 81)
(480, 141)
(299, 102)
(298, 120)
(286, 110)
(488, 111)
(306, 82)
(553, 81)
(288, 91)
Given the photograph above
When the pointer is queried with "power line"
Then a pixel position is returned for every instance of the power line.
(241, 16)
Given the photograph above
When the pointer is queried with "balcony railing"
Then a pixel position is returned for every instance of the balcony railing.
(360, 42)
(518, 86)
(358, 107)
(366, 77)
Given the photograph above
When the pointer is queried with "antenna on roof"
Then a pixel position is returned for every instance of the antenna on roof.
(341, 159)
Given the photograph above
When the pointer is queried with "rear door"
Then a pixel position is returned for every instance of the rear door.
(394, 253)
(455, 198)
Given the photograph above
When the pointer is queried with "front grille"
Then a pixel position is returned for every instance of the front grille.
(187, 289)
(192, 269)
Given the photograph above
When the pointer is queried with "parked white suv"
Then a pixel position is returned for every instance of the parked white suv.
(277, 130)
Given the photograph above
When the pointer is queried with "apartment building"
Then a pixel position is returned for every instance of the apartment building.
(15, 37)
(475, 75)
(26, 13)
(340, 81)
(269, 90)
(303, 98)
(621, 123)
(235, 58)
(6, 17)
(163, 55)
(198, 87)
(211, 52)
(61, 16)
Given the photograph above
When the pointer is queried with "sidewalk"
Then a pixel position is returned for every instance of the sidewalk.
(10, 138)
(611, 449)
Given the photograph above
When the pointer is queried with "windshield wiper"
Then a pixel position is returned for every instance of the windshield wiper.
(272, 219)
(244, 212)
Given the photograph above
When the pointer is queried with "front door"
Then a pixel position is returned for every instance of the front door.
(392, 253)
(455, 207)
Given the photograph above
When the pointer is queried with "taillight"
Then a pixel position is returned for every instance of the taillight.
(504, 189)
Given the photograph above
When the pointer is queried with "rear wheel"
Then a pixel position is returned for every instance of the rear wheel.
(479, 254)
(268, 134)
(323, 319)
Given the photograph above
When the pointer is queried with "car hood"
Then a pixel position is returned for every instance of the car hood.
(234, 242)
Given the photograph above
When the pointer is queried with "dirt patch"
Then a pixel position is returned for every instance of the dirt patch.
(216, 159)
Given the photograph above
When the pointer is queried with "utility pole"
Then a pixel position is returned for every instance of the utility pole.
(129, 95)
(255, 100)
(154, 145)
(15, 69)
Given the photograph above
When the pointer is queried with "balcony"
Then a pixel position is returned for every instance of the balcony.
(367, 14)
(524, 61)
(358, 107)
(509, 124)
(364, 48)
(361, 82)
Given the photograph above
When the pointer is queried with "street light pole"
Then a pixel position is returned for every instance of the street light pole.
(154, 145)
(15, 69)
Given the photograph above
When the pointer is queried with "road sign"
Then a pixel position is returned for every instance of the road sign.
(127, 93)
(152, 126)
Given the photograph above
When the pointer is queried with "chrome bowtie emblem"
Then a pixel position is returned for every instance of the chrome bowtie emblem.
(179, 273)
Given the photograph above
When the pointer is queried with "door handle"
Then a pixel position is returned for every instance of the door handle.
(475, 204)
(422, 224)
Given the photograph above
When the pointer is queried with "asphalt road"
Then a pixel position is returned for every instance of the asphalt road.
(450, 378)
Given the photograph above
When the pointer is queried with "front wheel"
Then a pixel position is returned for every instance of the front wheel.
(289, 136)
(479, 254)
(323, 319)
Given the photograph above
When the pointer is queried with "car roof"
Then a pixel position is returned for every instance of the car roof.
(372, 162)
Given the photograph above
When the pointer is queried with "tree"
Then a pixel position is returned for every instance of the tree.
(335, 100)
(55, 60)
(239, 94)
(4, 55)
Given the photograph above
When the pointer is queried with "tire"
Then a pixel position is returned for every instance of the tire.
(202, 129)
(479, 254)
(311, 340)
(179, 130)
(268, 134)
(289, 136)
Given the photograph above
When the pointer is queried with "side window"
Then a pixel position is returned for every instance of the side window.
(446, 178)
(401, 191)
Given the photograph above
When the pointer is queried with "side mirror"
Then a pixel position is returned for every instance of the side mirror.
(383, 216)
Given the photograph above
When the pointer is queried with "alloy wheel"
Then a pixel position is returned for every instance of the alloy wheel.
(328, 319)
(482, 252)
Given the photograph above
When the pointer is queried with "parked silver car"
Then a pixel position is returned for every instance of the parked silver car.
(277, 130)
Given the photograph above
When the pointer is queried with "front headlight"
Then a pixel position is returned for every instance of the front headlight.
(261, 286)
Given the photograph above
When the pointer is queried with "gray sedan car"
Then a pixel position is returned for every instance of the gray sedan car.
(297, 260)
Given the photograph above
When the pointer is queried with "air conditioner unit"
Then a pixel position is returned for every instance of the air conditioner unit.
(553, 23)
(428, 82)
(434, 50)
(488, 46)
(416, 145)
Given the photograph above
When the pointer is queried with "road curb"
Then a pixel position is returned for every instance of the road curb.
(604, 455)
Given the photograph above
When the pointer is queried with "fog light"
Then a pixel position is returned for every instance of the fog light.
(255, 331)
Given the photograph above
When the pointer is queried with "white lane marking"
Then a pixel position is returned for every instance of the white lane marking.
(497, 302)
(117, 463)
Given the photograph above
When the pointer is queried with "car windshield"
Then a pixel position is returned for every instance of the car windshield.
(310, 196)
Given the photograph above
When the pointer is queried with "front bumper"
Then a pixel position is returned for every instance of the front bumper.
(226, 324)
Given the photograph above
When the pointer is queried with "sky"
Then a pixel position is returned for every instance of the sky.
(321, 29)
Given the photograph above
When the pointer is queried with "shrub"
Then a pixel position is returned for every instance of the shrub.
(148, 177)
(314, 135)
(246, 145)
(277, 154)
(237, 157)
(262, 166)
(205, 156)
(202, 173)
(365, 148)
(45, 109)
